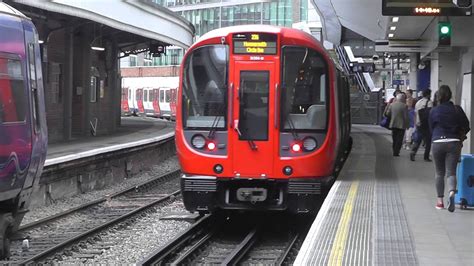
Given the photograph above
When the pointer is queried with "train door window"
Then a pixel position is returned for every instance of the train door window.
(145, 96)
(167, 96)
(13, 100)
(93, 90)
(162, 96)
(129, 94)
(304, 90)
(253, 116)
(33, 85)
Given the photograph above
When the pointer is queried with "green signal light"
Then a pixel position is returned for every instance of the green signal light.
(445, 30)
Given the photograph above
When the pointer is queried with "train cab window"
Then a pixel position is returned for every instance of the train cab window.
(13, 100)
(205, 87)
(304, 90)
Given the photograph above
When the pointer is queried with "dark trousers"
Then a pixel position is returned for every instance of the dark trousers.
(446, 156)
(397, 138)
(426, 137)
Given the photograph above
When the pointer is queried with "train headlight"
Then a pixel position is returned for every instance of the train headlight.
(198, 141)
(296, 147)
(211, 146)
(309, 144)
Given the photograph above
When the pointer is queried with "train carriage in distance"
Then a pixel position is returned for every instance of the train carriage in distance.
(263, 120)
(23, 133)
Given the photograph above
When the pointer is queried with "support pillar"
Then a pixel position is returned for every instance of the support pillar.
(68, 83)
(414, 72)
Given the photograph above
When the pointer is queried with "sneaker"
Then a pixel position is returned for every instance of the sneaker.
(412, 157)
(428, 160)
(451, 206)
(440, 206)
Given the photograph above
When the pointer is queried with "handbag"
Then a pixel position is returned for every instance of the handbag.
(385, 122)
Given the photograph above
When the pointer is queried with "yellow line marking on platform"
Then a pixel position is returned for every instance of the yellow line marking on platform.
(339, 244)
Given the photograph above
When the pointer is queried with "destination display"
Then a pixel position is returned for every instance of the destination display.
(254, 43)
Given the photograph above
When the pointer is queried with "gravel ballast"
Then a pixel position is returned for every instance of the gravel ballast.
(68, 203)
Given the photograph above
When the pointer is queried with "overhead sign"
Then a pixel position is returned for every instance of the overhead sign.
(362, 67)
(423, 8)
(254, 43)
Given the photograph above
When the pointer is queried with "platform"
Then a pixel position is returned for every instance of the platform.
(134, 131)
(381, 211)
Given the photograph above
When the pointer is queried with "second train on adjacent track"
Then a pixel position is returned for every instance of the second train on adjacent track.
(263, 120)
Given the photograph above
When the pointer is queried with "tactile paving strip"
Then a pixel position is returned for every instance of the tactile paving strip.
(369, 228)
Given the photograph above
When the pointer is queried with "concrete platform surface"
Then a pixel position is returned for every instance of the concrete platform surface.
(133, 131)
(381, 211)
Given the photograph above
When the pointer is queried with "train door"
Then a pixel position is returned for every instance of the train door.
(156, 104)
(165, 102)
(252, 124)
(131, 98)
(139, 98)
(147, 103)
(125, 107)
(173, 103)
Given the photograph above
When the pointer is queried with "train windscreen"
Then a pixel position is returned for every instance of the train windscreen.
(305, 86)
(205, 87)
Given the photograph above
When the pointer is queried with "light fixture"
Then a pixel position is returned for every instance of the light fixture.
(40, 41)
(391, 35)
(395, 19)
(393, 28)
(97, 48)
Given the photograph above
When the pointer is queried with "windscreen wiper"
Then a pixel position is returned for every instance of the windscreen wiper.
(292, 128)
(215, 124)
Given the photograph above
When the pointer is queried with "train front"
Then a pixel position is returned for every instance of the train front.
(253, 118)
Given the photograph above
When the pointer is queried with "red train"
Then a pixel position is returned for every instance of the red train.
(263, 120)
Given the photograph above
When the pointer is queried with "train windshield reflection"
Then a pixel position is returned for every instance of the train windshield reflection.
(205, 88)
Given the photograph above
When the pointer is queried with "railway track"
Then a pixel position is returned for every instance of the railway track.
(54, 234)
(243, 240)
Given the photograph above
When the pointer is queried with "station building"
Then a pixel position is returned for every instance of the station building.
(81, 43)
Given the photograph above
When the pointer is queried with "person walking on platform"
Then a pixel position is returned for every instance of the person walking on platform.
(422, 110)
(449, 126)
(398, 112)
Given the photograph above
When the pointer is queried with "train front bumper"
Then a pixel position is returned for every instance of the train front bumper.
(297, 195)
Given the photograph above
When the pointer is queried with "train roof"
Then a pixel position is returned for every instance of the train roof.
(6, 9)
(286, 32)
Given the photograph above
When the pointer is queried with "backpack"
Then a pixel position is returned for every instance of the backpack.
(424, 114)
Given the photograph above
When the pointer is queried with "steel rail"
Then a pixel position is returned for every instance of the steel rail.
(95, 230)
(288, 249)
(187, 255)
(176, 243)
(239, 252)
(54, 217)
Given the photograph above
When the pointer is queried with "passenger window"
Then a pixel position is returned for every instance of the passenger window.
(13, 100)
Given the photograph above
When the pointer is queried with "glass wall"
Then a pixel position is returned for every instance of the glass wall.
(223, 14)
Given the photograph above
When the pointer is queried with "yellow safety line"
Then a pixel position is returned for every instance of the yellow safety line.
(339, 245)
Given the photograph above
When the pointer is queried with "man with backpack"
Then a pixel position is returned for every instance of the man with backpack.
(422, 112)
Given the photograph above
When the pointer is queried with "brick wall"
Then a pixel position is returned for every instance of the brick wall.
(165, 71)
